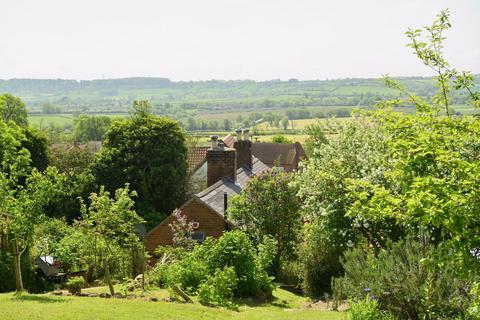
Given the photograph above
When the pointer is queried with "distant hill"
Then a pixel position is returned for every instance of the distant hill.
(117, 95)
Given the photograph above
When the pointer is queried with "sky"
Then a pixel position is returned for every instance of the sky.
(226, 39)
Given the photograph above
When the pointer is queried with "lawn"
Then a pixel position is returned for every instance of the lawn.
(47, 306)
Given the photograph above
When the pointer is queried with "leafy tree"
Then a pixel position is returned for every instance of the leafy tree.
(111, 221)
(386, 175)
(227, 124)
(48, 108)
(316, 137)
(23, 208)
(280, 139)
(148, 152)
(141, 108)
(74, 162)
(431, 54)
(90, 128)
(13, 108)
(37, 144)
(269, 206)
(285, 123)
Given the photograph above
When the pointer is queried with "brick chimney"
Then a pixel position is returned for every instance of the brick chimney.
(244, 149)
(221, 162)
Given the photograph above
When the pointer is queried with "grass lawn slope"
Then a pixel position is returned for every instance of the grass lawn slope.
(47, 306)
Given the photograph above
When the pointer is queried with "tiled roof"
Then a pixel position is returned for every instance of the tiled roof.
(229, 140)
(284, 153)
(196, 157)
(213, 195)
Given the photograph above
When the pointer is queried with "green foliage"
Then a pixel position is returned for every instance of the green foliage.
(74, 162)
(13, 109)
(6, 272)
(233, 252)
(406, 280)
(269, 206)
(234, 249)
(75, 284)
(187, 273)
(281, 139)
(355, 151)
(367, 309)
(318, 260)
(141, 108)
(316, 137)
(36, 143)
(159, 274)
(218, 289)
(432, 167)
(473, 311)
(430, 52)
(149, 153)
(112, 222)
(90, 128)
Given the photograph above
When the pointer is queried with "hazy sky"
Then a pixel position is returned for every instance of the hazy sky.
(226, 39)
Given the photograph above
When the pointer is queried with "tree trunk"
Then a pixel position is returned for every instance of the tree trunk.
(143, 266)
(108, 278)
(17, 267)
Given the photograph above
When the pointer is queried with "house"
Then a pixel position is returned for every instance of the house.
(284, 155)
(230, 164)
(228, 171)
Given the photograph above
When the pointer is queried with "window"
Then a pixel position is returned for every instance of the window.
(198, 236)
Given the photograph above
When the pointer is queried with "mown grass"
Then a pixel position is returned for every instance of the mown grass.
(46, 306)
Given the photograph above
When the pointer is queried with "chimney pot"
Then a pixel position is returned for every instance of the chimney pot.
(246, 134)
(239, 134)
(214, 139)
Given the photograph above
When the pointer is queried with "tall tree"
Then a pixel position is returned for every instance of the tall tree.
(13, 108)
(269, 206)
(37, 144)
(90, 128)
(23, 193)
(148, 152)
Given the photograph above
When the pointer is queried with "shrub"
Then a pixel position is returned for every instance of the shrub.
(235, 249)
(218, 289)
(406, 280)
(187, 273)
(166, 255)
(367, 309)
(6, 272)
(75, 284)
(473, 311)
(318, 260)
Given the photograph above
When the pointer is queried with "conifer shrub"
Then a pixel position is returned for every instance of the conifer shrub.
(406, 279)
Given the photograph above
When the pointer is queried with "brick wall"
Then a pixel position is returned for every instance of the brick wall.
(244, 153)
(221, 163)
(210, 222)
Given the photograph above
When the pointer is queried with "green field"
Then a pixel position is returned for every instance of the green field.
(47, 306)
(62, 120)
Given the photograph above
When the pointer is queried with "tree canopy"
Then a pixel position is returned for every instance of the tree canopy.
(148, 152)
(13, 109)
